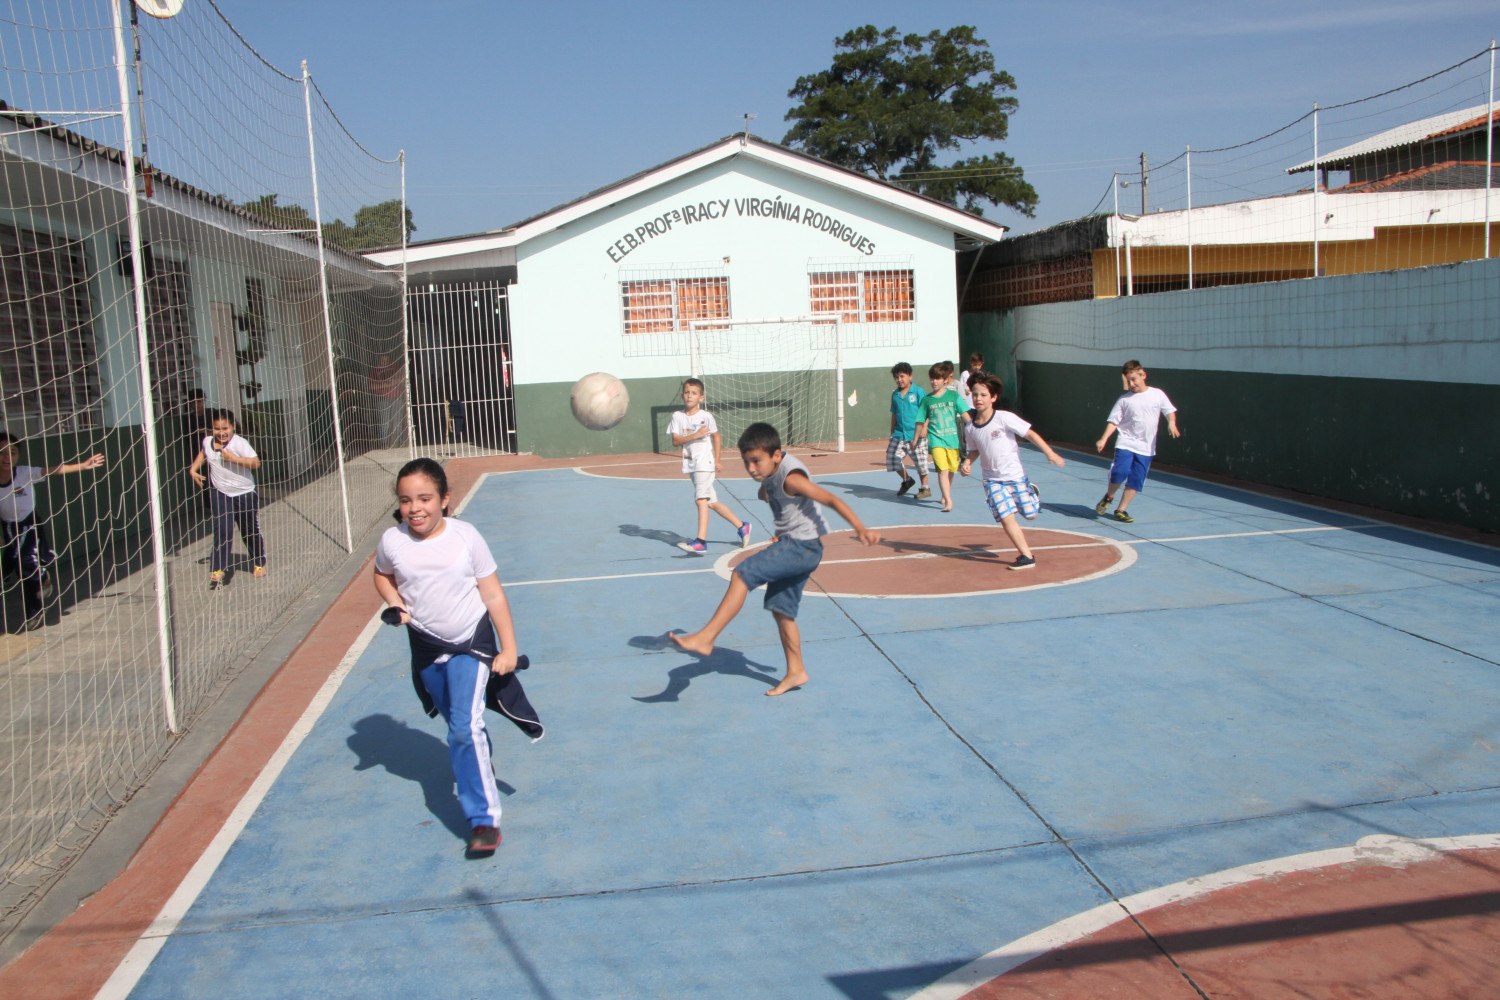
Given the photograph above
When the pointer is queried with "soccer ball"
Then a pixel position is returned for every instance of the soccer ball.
(599, 401)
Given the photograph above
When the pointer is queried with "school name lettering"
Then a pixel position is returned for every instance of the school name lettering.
(777, 209)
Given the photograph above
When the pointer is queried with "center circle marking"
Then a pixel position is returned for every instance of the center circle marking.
(952, 560)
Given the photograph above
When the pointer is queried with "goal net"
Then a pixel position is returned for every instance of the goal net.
(784, 372)
(180, 239)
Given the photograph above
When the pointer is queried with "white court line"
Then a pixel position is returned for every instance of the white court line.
(135, 963)
(1394, 852)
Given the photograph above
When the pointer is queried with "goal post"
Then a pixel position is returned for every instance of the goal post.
(788, 372)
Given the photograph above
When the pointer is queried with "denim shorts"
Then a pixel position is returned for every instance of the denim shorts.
(783, 566)
(1130, 468)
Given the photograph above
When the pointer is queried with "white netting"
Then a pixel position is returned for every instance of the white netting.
(783, 372)
(305, 344)
(1400, 182)
(1382, 182)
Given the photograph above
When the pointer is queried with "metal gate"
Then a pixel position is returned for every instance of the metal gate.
(462, 402)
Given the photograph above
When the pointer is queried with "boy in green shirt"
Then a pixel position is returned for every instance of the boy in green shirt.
(939, 416)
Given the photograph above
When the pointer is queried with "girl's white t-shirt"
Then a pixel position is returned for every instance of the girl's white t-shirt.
(999, 451)
(18, 497)
(437, 577)
(229, 479)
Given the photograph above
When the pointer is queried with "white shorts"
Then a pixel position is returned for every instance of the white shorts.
(703, 486)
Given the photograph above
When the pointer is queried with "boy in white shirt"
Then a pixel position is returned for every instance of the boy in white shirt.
(1136, 416)
(694, 430)
(993, 439)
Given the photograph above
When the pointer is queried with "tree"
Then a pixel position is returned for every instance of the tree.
(890, 104)
(374, 225)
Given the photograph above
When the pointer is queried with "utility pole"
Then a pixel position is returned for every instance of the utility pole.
(1143, 183)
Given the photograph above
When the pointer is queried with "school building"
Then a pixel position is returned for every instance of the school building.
(741, 248)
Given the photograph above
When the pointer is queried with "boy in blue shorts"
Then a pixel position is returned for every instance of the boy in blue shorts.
(904, 402)
(784, 565)
(993, 439)
(1136, 416)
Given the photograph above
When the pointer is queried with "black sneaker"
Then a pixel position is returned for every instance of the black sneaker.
(484, 840)
(1102, 507)
(1023, 562)
(1123, 517)
(48, 587)
(906, 485)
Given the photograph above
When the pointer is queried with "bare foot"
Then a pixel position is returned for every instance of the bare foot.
(691, 643)
(788, 682)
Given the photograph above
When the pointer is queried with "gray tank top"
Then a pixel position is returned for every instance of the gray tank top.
(796, 517)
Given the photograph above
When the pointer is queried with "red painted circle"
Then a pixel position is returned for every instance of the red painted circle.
(941, 560)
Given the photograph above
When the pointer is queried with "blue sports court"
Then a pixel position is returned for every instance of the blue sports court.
(1262, 679)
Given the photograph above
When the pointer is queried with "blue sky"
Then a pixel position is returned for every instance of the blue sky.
(505, 108)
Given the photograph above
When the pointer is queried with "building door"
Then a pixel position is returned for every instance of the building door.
(460, 368)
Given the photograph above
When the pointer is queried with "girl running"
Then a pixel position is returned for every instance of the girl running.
(438, 575)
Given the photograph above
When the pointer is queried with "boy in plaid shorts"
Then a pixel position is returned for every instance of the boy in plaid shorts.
(905, 401)
(993, 439)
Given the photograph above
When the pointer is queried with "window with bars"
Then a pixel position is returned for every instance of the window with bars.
(49, 376)
(669, 305)
(169, 330)
(864, 296)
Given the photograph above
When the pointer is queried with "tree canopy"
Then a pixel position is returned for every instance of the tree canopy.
(891, 104)
(374, 225)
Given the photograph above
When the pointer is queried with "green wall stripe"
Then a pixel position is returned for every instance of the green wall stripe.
(545, 424)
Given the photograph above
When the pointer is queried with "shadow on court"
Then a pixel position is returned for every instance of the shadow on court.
(729, 662)
(671, 538)
(1076, 511)
(381, 741)
(884, 493)
(971, 550)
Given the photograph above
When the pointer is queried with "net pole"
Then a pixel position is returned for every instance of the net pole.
(1315, 247)
(1489, 149)
(406, 407)
(838, 376)
(143, 345)
(694, 360)
(333, 375)
(1189, 172)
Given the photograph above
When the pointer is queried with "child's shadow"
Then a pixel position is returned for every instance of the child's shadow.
(671, 538)
(722, 661)
(1076, 511)
(381, 741)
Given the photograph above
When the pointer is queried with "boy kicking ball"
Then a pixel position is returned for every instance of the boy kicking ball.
(785, 565)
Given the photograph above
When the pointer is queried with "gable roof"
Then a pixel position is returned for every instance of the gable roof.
(969, 228)
(1436, 127)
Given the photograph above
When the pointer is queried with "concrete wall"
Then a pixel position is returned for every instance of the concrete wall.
(1381, 389)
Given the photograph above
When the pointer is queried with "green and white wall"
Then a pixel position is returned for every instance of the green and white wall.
(755, 223)
(1379, 389)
